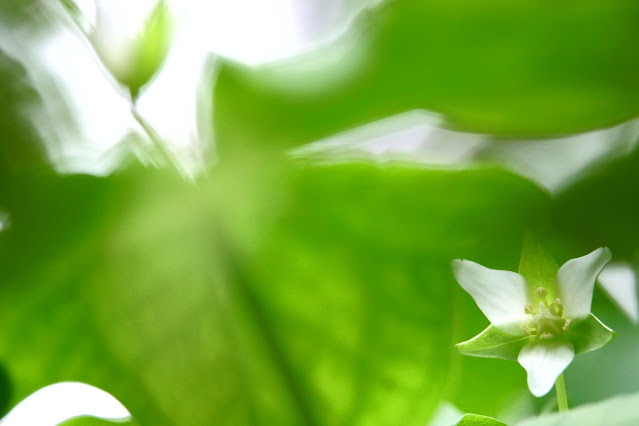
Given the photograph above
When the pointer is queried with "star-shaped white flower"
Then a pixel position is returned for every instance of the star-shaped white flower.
(540, 317)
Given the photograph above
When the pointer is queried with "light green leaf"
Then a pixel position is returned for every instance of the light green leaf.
(494, 343)
(618, 411)
(164, 307)
(478, 420)
(590, 334)
(538, 267)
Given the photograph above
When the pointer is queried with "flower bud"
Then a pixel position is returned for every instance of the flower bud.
(132, 39)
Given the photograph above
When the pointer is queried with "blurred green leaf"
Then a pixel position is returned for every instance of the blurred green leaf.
(343, 298)
(618, 411)
(20, 151)
(478, 420)
(523, 68)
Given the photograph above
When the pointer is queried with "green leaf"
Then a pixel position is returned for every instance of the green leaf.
(538, 267)
(478, 420)
(618, 411)
(494, 343)
(589, 335)
(191, 309)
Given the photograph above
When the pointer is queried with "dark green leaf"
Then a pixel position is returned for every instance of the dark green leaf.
(5, 391)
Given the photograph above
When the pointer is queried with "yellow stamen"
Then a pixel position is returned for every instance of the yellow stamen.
(566, 324)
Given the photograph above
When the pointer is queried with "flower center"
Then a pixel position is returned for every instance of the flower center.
(547, 321)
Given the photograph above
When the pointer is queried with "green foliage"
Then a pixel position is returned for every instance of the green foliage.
(271, 294)
(295, 328)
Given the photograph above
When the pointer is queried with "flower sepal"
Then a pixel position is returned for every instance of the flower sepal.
(589, 335)
(493, 342)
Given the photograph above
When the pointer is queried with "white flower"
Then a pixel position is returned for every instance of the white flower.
(536, 324)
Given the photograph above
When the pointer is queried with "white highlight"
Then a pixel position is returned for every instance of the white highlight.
(60, 402)
(420, 138)
(619, 281)
(256, 32)
(555, 163)
(415, 137)
(4, 221)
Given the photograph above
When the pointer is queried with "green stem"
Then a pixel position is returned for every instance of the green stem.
(157, 140)
(562, 399)
(80, 21)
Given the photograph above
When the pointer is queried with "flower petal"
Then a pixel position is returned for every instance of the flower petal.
(544, 362)
(576, 281)
(501, 295)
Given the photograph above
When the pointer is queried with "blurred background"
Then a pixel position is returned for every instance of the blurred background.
(276, 249)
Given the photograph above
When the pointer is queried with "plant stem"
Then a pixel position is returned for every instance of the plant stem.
(562, 399)
(155, 138)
